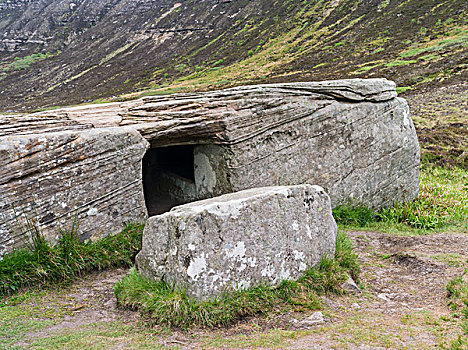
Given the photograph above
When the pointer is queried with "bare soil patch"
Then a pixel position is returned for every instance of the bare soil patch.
(403, 305)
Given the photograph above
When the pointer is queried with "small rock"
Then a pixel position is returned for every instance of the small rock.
(315, 319)
(350, 286)
(383, 297)
(78, 307)
(109, 304)
(356, 306)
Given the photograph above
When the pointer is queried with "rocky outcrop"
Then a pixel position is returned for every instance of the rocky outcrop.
(238, 240)
(354, 138)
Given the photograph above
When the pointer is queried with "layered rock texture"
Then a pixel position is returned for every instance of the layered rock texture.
(53, 179)
(354, 138)
(238, 240)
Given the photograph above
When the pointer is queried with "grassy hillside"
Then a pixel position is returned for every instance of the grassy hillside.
(411, 42)
(100, 49)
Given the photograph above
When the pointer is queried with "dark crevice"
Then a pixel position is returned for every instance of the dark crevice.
(167, 172)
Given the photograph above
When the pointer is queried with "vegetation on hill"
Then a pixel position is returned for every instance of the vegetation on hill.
(101, 51)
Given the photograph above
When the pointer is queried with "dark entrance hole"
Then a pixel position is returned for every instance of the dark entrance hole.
(168, 177)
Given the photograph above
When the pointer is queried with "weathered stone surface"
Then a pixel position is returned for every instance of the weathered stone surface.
(262, 235)
(313, 320)
(26, 124)
(94, 175)
(353, 137)
(349, 286)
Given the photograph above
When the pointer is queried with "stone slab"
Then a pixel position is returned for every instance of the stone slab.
(239, 240)
(51, 178)
(353, 137)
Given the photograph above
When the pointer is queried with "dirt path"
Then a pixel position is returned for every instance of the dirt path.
(403, 306)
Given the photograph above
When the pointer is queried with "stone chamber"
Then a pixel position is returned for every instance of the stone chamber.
(118, 162)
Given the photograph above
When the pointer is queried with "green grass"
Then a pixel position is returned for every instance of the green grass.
(458, 295)
(459, 39)
(101, 335)
(398, 63)
(44, 264)
(442, 204)
(457, 290)
(354, 215)
(442, 201)
(402, 89)
(452, 259)
(16, 322)
(367, 68)
(169, 306)
(25, 62)
(429, 57)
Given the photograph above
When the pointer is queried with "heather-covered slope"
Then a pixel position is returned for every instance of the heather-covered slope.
(61, 52)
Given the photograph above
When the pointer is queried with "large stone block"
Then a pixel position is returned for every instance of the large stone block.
(257, 236)
(354, 138)
(52, 178)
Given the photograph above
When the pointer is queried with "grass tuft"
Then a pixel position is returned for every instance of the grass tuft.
(418, 214)
(346, 257)
(457, 291)
(356, 215)
(442, 202)
(171, 307)
(43, 264)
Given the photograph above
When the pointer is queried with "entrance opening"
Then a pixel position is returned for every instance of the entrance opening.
(168, 177)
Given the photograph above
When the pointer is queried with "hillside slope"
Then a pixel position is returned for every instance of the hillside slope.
(61, 52)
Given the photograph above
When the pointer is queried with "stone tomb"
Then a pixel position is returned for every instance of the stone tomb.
(110, 163)
(256, 236)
